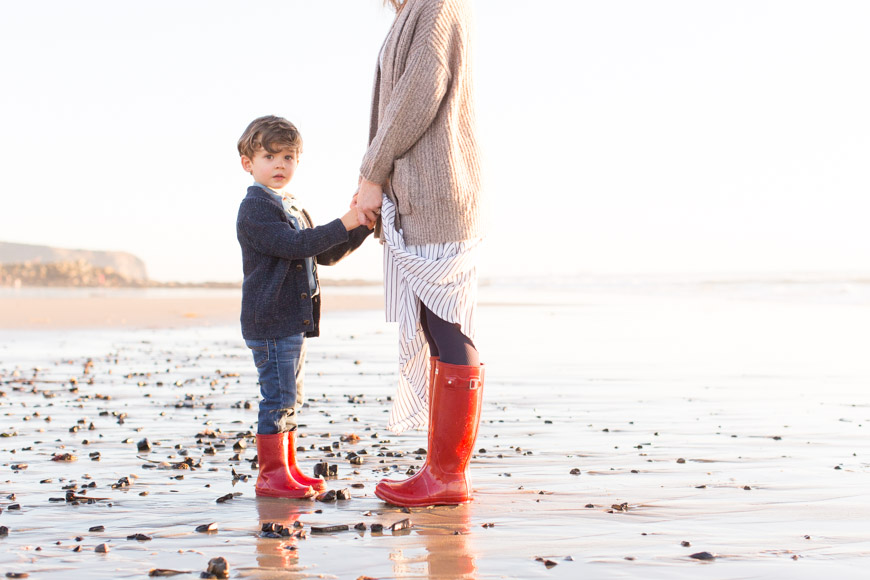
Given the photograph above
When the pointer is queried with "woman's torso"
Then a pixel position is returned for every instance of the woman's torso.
(434, 177)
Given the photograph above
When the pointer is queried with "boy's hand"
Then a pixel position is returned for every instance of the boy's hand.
(351, 219)
(368, 202)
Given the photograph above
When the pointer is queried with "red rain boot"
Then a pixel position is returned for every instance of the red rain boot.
(433, 360)
(454, 416)
(296, 473)
(274, 479)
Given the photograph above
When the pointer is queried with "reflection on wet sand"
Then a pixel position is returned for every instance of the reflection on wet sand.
(278, 556)
(444, 533)
(449, 552)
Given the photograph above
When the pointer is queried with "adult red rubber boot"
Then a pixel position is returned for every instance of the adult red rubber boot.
(454, 417)
(274, 479)
(433, 360)
(296, 473)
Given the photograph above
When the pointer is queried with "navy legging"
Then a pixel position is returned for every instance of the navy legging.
(446, 341)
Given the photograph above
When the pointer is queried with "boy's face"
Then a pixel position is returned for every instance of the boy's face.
(274, 170)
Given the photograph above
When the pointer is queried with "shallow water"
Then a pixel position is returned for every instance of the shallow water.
(758, 393)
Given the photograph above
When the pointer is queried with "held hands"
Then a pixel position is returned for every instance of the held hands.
(351, 218)
(368, 200)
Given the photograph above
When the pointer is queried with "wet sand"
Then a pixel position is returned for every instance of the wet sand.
(736, 428)
(143, 309)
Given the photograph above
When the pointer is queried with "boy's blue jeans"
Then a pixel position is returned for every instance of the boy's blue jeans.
(280, 364)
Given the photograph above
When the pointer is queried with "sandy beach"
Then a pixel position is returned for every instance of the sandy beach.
(629, 432)
(86, 308)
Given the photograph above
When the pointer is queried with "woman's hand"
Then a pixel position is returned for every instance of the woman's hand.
(368, 202)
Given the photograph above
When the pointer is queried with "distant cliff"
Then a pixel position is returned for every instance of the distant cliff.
(46, 266)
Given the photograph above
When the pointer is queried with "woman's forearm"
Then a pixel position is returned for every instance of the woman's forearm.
(414, 103)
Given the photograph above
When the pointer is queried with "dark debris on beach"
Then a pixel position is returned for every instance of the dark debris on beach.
(101, 400)
(147, 433)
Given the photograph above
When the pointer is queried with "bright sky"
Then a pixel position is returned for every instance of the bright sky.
(630, 136)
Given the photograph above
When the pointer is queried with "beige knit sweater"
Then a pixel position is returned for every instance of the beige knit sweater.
(422, 142)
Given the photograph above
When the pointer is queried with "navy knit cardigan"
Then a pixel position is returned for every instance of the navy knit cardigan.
(276, 299)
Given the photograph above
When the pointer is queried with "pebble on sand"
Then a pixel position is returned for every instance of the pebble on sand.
(327, 496)
(703, 556)
(218, 567)
(325, 470)
(546, 562)
(329, 529)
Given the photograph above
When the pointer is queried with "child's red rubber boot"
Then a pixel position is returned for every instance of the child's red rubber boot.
(274, 479)
(295, 472)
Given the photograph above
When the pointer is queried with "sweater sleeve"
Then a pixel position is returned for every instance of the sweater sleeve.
(414, 103)
(260, 225)
(337, 253)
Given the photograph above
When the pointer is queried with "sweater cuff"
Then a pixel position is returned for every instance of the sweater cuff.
(337, 232)
(375, 172)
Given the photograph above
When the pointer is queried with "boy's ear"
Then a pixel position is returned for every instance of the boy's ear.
(247, 164)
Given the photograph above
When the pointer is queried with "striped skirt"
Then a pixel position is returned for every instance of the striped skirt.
(444, 278)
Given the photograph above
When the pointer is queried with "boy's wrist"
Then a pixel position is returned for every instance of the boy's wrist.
(349, 220)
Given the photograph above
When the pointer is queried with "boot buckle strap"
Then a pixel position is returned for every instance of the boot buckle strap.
(473, 384)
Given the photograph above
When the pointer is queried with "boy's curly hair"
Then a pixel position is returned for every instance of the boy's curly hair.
(270, 133)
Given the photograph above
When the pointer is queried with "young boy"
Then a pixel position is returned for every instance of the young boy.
(280, 293)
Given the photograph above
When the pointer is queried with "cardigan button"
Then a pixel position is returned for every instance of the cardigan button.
(298, 266)
(306, 322)
(303, 295)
